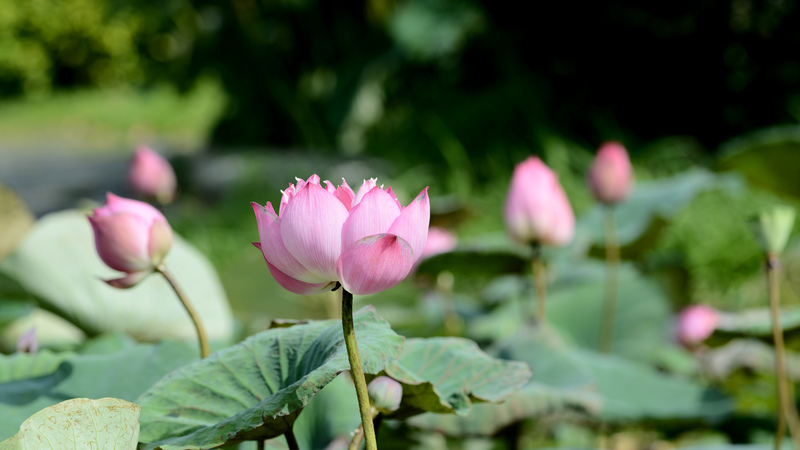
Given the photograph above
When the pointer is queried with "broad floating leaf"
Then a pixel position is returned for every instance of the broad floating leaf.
(256, 389)
(80, 423)
(60, 249)
(757, 322)
(30, 382)
(534, 400)
(445, 375)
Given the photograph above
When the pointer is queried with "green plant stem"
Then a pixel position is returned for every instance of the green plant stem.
(356, 370)
(537, 265)
(260, 444)
(788, 410)
(358, 435)
(291, 440)
(450, 317)
(612, 268)
(198, 323)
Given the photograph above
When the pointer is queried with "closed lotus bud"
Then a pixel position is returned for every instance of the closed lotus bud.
(385, 394)
(537, 209)
(611, 175)
(27, 342)
(151, 176)
(439, 241)
(323, 235)
(772, 228)
(696, 323)
(130, 236)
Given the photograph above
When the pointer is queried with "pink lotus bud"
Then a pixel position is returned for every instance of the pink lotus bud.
(27, 342)
(367, 241)
(130, 236)
(439, 241)
(696, 323)
(151, 177)
(385, 394)
(537, 209)
(611, 175)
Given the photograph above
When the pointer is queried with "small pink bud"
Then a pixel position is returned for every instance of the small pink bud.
(611, 175)
(130, 236)
(151, 176)
(27, 343)
(537, 209)
(365, 240)
(385, 394)
(696, 323)
(439, 241)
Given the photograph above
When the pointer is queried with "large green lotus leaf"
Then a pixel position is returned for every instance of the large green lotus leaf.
(255, 389)
(79, 423)
(58, 264)
(642, 322)
(111, 368)
(444, 375)
(659, 199)
(482, 263)
(52, 331)
(15, 220)
(486, 419)
(628, 390)
(757, 322)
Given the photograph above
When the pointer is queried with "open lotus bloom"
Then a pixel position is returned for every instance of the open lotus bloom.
(611, 175)
(151, 176)
(130, 236)
(696, 323)
(537, 209)
(367, 241)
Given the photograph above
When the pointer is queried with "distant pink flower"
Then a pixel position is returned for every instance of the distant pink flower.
(151, 177)
(611, 176)
(130, 236)
(439, 241)
(537, 209)
(696, 323)
(27, 342)
(365, 240)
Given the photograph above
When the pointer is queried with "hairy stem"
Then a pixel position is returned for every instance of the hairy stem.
(537, 265)
(788, 410)
(612, 268)
(356, 370)
(198, 323)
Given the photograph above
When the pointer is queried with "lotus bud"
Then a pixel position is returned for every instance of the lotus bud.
(151, 176)
(537, 209)
(772, 228)
(385, 394)
(130, 236)
(322, 235)
(27, 342)
(696, 323)
(611, 175)
(439, 241)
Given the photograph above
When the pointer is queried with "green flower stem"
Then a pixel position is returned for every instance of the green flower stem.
(198, 323)
(260, 444)
(537, 265)
(612, 268)
(788, 410)
(358, 435)
(291, 440)
(356, 370)
(452, 321)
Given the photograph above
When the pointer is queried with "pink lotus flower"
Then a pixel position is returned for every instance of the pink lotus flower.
(537, 209)
(151, 176)
(439, 241)
(696, 323)
(130, 236)
(367, 241)
(611, 175)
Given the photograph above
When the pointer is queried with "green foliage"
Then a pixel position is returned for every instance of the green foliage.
(80, 423)
(256, 389)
